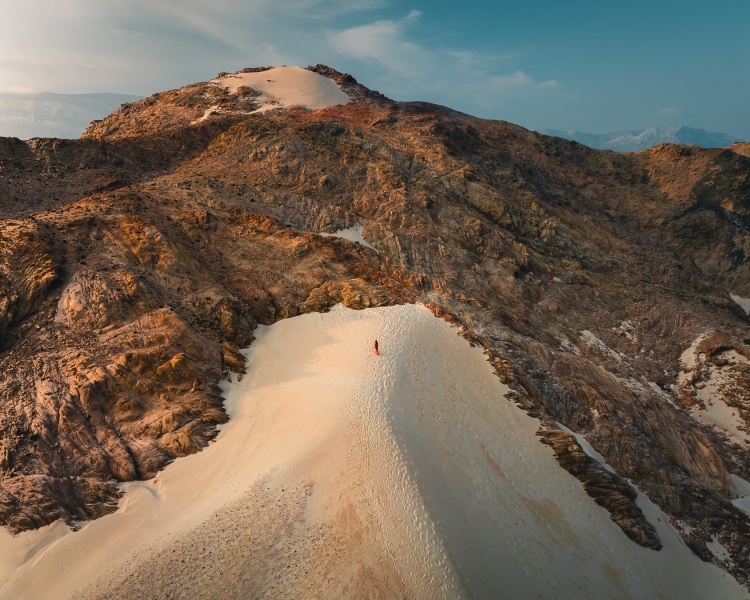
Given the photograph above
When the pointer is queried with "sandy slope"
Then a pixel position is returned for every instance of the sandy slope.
(345, 475)
(287, 86)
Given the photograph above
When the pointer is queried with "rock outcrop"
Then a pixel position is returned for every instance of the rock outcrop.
(136, 260)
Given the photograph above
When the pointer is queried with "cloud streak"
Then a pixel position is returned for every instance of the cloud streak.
(384, 43)
(467, 77)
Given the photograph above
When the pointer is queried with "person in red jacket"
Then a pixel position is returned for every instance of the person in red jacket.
(377, 351)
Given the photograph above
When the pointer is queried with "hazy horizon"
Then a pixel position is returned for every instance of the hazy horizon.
(67, 115)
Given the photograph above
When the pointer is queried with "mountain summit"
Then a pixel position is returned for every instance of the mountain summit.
(234, 95)
(607, 292)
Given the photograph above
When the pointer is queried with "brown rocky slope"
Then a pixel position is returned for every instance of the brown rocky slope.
(136, 260)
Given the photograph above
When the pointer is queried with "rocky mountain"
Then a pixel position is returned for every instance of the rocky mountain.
(137, 260)
(636, 140)
(54, 115)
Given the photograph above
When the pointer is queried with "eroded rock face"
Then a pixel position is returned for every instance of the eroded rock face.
(27, 272)
(607, 489)
(585, 275)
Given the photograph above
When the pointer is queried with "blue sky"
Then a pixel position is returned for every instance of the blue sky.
(592, 66)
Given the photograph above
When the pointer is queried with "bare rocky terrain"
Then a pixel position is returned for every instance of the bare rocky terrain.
(136, 261)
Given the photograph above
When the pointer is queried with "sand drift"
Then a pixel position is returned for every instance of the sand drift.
(342, 474)
(287, 86)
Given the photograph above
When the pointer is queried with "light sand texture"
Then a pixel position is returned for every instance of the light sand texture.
(346, 475)
(287, 86)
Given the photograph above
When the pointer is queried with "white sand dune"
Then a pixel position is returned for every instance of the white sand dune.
(287, 86)
(347, 475)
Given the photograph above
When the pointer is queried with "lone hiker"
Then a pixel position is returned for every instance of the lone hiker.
(377, 351)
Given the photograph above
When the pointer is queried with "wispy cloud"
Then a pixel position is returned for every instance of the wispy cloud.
(145, 45)
(385, 43)
(441, 74)
(550, 84)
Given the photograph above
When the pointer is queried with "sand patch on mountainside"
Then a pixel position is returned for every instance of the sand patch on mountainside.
(287, 86)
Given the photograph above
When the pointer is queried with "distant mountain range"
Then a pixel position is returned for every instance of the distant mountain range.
(54, 115)
(632, 141)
